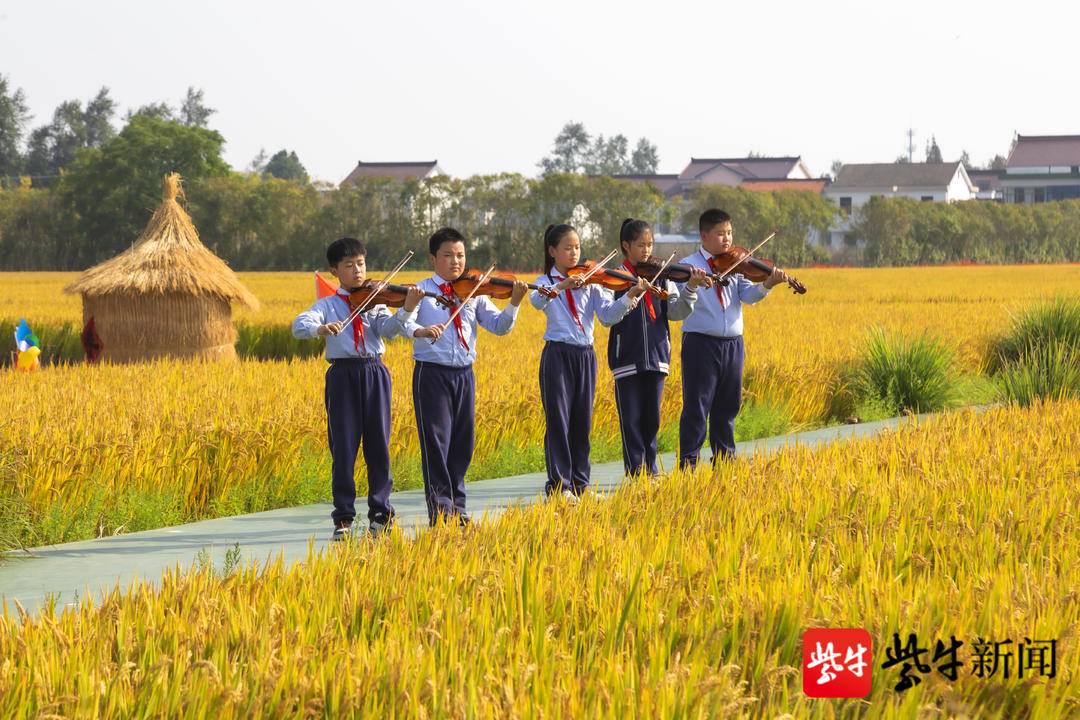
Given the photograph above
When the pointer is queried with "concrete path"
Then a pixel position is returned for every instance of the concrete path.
(70, 571)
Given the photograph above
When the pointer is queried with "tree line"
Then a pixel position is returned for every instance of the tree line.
(105, 183)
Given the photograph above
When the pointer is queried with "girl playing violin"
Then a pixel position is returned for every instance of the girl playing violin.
(568, 362)
(639, 351)
(712, 346)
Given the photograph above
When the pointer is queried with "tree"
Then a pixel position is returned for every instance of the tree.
(193, 111)
(258, 163)
(54, 146)
(608, 157)
(286, 166)
(570, 151)
(575, 151)
(112, 189)
(98, 119)
(835, 168)
(965, 159)
(933, 152)
(901, 159)
(157, 110)
(645, 158)
(998, 162)
(14, 115)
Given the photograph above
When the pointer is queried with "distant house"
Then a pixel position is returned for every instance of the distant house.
(394, 170)
(929, 182)
(988, 183)
(855, 184)
(734, 171)
(1042, 168)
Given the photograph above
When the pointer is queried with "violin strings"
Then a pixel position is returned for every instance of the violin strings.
(747, 256)
(467, 298)
(378, 288)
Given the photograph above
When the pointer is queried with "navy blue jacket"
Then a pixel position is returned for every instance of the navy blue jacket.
(638, 344)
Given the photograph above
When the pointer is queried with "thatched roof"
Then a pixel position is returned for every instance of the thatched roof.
(167, 258)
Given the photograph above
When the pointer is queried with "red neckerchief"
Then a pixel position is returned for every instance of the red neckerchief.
(357, 326)
(648, 294)
(569, 294)
(448, 291)
(713, 266)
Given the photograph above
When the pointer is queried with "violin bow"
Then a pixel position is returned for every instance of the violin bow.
(598, 267)
(748, 255)
(378, 288)
(467, 298)
(659, 273)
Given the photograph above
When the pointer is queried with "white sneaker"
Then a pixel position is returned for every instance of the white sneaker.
(570, 497)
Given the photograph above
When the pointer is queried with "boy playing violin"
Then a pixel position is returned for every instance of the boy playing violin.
(712, 346)
(357, 395)
(444, 387)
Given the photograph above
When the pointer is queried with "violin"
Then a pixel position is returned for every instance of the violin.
(675, 272)
(752, 268)
(390, 295)
(499, 285)
(615, 280)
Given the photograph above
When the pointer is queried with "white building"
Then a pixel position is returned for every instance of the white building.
(855, 184)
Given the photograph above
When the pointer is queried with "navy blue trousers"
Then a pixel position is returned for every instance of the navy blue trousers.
(712, 369)
(358, 410)
(444, 399)
(637, 399)
(567, 390)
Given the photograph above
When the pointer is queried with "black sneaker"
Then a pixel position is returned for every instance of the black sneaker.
(464, 520)
(342, 530)
(381, 524)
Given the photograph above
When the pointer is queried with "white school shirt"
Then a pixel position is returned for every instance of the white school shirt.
(379, 325)
(707, 316)
(589, 300)
(448, 350)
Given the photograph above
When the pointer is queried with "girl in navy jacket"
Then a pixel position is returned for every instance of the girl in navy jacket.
(639, 353)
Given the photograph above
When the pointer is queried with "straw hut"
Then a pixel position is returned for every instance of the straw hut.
(166, 296)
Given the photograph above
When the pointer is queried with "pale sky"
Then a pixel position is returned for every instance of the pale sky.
(485, 86)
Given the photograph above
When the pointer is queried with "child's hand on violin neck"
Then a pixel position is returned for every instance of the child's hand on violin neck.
(698, 278)
(412, 298)
(516, 295)
(778, 276)
(638, 290)
(330, 328)
(431, 331)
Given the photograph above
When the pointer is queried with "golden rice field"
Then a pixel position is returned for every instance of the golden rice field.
(86, 451)
(683, 599)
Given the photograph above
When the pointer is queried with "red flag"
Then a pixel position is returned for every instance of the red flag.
(323, 288)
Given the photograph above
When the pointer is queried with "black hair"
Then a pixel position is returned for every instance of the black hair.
(553, 235)
(631, 230)
(342, 248)
(711, 218)
(443, 235)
